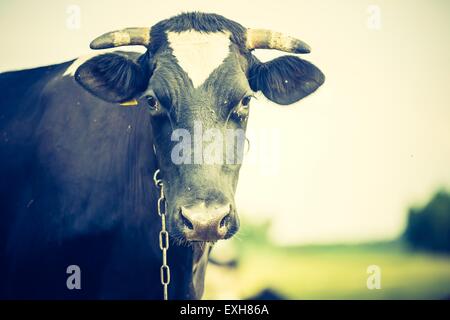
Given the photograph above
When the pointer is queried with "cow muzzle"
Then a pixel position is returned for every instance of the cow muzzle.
(207, 223)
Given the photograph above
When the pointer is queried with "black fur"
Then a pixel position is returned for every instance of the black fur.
(302, 77)
(113, 77)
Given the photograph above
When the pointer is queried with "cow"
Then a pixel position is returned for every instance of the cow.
(80, 143)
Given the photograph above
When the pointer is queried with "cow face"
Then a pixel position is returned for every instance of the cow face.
(197, 80)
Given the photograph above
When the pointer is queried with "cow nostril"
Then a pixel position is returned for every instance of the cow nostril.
(206, 223)
(224, 221)
(186, 221)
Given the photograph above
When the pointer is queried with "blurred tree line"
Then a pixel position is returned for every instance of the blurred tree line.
(428, 228)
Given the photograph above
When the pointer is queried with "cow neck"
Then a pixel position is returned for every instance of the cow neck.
(200, 250)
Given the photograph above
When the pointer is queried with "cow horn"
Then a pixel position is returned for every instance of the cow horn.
(267, 39)
(124, 37)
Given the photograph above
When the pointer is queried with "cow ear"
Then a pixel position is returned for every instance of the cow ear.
(113, 77)
(286, 79)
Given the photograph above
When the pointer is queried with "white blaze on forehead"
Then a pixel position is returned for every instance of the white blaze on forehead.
(198, 53)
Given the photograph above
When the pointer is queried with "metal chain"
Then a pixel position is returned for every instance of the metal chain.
(163, 235)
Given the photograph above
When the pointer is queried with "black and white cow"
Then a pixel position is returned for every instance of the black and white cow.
(76, 168)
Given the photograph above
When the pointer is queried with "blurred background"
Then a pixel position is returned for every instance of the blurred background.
(344, 194)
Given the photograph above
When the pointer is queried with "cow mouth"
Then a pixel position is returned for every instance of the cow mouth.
(200, 248)
(180, 240)
(200, 257)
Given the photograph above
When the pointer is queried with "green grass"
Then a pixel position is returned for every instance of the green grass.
(332, 272)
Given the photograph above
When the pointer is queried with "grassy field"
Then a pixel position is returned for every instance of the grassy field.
(331, 272)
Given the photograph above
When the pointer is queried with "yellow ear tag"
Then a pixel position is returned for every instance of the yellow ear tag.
(129, 103)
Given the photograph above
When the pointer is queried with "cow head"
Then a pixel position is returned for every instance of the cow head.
(197, 79)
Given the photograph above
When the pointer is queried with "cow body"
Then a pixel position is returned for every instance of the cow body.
(77, 189)
(77, 169)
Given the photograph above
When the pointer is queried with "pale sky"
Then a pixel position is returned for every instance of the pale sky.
(354, 156)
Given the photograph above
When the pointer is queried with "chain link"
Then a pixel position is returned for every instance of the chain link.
(163, 235)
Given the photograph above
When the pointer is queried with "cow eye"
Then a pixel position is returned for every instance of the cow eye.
(246, 101)
(152, 102)
(242, 110)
